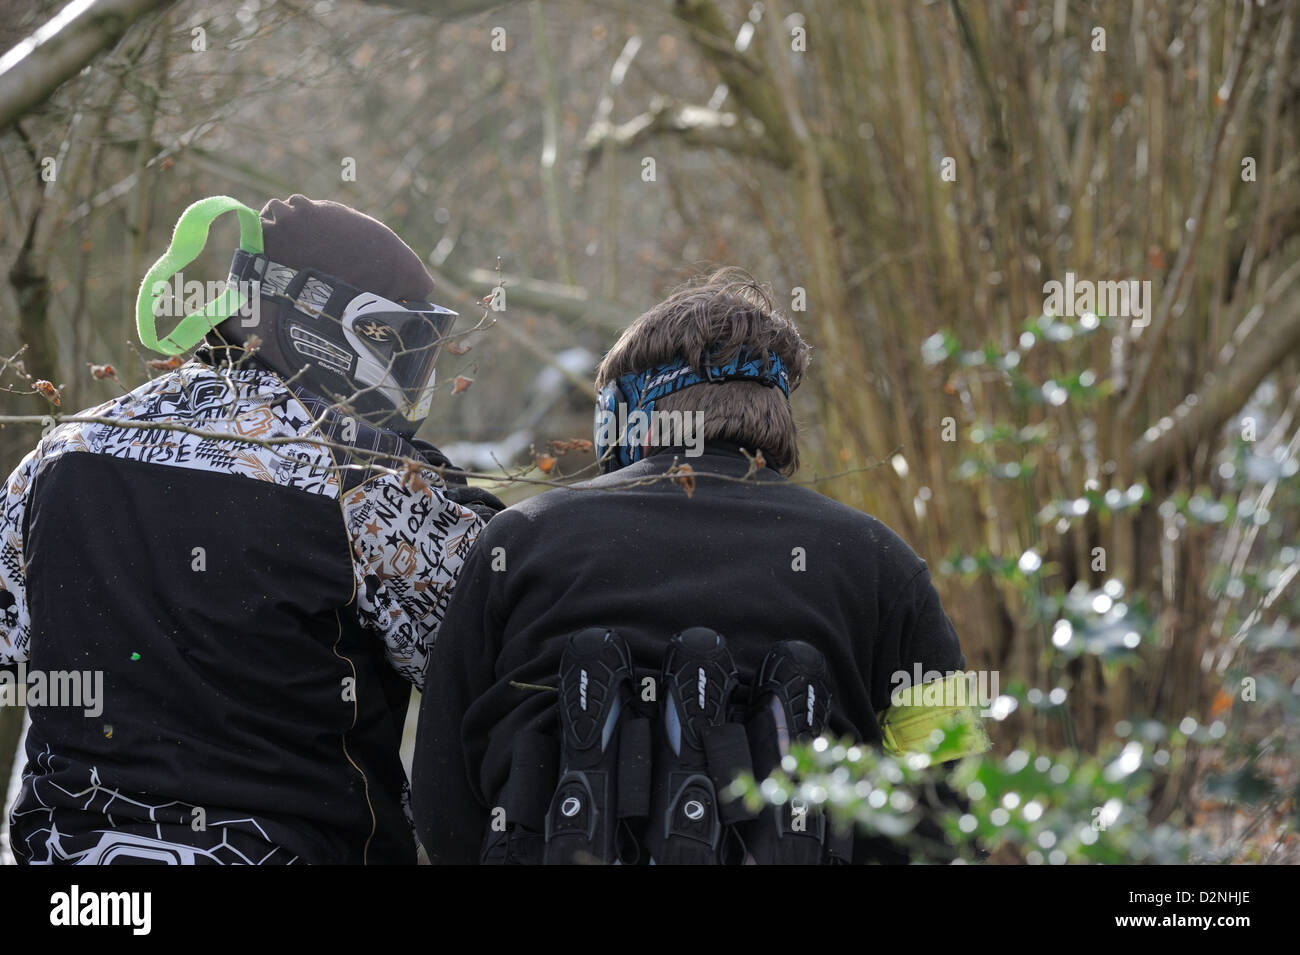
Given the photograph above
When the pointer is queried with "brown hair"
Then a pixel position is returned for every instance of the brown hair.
(709, 321)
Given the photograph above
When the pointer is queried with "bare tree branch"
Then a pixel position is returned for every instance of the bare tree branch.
(1259, 346)
(510, 330)
(60, 49)
(567, 301)
(1173, 291)
(400, 465)
(442, 9)
(745, 76)
(699, 126)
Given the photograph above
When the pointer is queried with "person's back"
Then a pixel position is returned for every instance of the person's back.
(255, 580)
(759, 560)
(647, 552)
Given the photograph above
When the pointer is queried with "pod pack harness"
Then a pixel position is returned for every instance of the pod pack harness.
(628, 783)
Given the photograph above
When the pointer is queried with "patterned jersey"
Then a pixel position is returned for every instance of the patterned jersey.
(215, 598)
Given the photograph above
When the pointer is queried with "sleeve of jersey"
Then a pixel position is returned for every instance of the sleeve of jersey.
(15, 624)
(451, 813)
(944, 698)
(409, 543)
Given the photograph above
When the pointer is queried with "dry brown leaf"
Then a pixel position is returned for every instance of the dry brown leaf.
(684, 477)
(47, 391)
(411, 478)
(564, 446)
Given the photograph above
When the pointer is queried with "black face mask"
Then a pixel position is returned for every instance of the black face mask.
(374, 354)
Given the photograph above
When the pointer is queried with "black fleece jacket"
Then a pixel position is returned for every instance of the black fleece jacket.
(759, 561)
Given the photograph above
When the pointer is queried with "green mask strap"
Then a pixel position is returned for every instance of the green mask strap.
(187, 243)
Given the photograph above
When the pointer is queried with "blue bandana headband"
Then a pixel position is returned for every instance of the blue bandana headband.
(639, 391)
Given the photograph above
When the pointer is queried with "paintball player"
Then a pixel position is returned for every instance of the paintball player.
(617, 651)
(252, 552)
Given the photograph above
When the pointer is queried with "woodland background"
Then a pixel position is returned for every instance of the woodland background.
(1111, 511)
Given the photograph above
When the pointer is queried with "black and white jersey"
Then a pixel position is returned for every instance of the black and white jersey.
(255, 582)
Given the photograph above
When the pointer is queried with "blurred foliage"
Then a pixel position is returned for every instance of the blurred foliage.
(1061, 805)
(1029, 806)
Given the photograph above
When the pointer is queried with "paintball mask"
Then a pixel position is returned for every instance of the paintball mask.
(375, 354)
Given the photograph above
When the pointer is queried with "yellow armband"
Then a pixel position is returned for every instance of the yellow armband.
(939, 705)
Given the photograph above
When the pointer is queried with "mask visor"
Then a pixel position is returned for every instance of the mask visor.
(397, 347)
